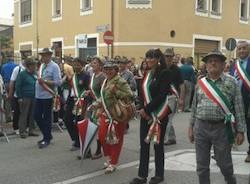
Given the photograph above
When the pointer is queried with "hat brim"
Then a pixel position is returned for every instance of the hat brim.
(222, 57)
(45, 53)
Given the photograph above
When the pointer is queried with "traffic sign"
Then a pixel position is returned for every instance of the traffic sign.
(108, 37)
(230, 44)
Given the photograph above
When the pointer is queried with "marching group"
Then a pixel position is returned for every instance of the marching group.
(111, 91)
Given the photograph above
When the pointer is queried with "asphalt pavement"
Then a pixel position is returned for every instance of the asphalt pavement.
(21, 162)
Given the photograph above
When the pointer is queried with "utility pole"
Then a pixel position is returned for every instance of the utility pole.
(37, 29)
(112, 25)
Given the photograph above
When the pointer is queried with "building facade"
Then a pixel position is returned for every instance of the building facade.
(75, 27)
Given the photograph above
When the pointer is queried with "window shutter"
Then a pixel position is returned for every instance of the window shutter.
(86, 4)
(25, 10)
(139, 1)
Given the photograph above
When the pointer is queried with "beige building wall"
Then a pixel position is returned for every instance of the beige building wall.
(135, 30)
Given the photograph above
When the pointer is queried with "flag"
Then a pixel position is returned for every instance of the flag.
(87, 131)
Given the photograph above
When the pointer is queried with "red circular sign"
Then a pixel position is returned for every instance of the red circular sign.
(108, 37)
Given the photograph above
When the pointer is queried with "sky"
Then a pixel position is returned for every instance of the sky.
(6, 8)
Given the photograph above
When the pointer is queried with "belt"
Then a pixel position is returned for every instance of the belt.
(213, 121)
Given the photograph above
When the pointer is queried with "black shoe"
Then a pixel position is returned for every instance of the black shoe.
(43, 144)
(23, 136)
(139, 181)
(38, 142)
(32, 134)
(170, 142)
(156, 180)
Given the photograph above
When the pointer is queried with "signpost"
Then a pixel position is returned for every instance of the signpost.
(230, 45)
(108, 38)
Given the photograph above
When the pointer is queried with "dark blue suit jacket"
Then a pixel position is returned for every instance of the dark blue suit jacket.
(245, 92)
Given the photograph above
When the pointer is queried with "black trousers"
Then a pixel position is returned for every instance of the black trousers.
(16, 113)
(158, 148)
(71, 121)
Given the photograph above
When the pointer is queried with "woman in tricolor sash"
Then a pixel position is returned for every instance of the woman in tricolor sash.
(113, 117)
(154, 116)
(95, 88)
(76, 102)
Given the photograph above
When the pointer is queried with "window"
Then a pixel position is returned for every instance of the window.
(138, 3)
(90, 50)
(243, 10)
(25, 9)
(202, 5)
(57, 8)
(86, 5)
(215, 9)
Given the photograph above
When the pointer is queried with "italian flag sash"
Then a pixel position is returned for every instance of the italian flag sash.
(244, 76)
(111, 137)
(93, 92)
(154, 131)
(216, 96)
(163, 110)
(79, 95)
(43, 84)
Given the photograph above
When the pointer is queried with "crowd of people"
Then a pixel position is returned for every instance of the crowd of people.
(111, 91)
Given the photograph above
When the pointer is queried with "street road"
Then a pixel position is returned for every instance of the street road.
(21, 162)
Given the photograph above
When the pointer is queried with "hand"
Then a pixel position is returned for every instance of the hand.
(113, 88)
(40, 80)
(20, 100)
(144, 114)
(87, 93)
(239, 138)
(191, 134)
(181, 104)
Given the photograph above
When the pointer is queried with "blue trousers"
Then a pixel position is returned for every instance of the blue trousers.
(43, 117)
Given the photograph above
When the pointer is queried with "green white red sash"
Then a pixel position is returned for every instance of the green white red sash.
(93, 92)
(43, 84)
(216, 96)
(244, 76)
(163, 110)
(79, 95)
(154, 131)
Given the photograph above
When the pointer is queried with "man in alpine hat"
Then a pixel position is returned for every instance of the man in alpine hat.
(217, 118)
(49, 77)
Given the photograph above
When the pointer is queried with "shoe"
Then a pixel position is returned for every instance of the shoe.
(23, 136)
(32, 134)
(139, 181)
(17, 132)
(96, 156)
(156, 180)
(248, 158)
(170, 142)
(38, 142)
(110, 169)
(43, 144)
(74, 148)
(105, 165)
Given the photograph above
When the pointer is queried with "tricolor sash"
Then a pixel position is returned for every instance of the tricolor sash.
(43, 84)
(111, 137)
(94, 93)
(161, 111)
(216, 96)
(79, 95)
(244, 76)
(154, 131)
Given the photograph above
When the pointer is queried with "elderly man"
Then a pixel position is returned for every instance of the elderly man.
(49, 77)
(217, 105)
(241, 72)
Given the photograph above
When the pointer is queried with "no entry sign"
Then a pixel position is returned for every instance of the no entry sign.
(108, 37)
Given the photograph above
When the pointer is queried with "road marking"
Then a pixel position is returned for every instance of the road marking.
(179, 160)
